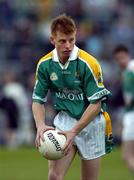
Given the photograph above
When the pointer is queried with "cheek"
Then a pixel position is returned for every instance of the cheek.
(72, 44)
(59, 47)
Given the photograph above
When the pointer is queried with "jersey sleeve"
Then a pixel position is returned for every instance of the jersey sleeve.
(41, 85)
(128, 81)
(93, 85)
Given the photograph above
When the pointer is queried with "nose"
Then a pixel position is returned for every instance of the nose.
(67, 45)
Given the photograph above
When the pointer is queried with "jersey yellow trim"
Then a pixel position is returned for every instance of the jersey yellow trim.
(93, 65)
(44, 58)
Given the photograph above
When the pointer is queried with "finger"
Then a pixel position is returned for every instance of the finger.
(62, 132)
(42, 136)
(67, 147)
(67, 144)
(37, 141)
(51, 128)
(66, 151)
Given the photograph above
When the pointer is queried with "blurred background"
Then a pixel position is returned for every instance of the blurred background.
(24, 39)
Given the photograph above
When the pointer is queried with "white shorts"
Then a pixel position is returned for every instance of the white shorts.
(90, 141)
(128, 127)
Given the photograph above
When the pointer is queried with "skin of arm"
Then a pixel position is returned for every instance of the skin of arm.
(89, 114)
(39, 116)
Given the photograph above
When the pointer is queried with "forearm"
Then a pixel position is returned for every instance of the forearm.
(90, 113)
(39, 114)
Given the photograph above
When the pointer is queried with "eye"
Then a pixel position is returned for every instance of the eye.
(71, 40)
(62, 41)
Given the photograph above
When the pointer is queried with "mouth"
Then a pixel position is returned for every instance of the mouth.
(67, 52)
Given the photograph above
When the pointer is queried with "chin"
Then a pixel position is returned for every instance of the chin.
(67, 57)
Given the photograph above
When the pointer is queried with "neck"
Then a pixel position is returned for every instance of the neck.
(63, 61)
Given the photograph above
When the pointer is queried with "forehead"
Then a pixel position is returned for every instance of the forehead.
(61, 35)
(121, 54)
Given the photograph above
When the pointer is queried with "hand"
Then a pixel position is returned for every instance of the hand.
(70, 138)
(40, 132)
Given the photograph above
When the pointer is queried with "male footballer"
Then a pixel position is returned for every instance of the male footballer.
(75, 81)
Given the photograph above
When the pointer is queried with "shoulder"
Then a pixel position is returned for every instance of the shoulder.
(45, 59)
(92, 65)
(89, 60)
(131, 66)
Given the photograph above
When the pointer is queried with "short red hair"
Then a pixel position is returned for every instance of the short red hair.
(64, 24)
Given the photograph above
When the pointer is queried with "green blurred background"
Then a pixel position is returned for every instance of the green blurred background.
(28, 164)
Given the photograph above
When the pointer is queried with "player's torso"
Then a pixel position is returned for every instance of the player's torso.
(66, 85)
(66, 80)
(128, 78)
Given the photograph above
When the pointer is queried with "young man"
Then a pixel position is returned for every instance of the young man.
(123, 58)
(75, 81)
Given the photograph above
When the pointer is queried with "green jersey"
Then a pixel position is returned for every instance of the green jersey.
(73, 85)
(128, 86)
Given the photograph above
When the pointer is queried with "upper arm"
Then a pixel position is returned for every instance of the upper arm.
(41, 85)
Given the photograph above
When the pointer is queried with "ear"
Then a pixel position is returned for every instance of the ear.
(52, 40)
